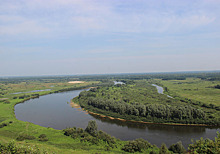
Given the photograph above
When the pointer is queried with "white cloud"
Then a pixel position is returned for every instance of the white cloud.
(77, 16)
(26, 27)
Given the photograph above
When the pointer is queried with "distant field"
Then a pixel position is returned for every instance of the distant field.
(195, 89)
(7, 90)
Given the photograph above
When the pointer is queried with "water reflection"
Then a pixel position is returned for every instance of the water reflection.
(54, 111)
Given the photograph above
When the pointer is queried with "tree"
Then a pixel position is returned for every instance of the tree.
(177, 148)
(136, 145)
(163, 149)
(92, 127)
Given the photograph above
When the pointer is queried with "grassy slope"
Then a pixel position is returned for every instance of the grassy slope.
(57, 141)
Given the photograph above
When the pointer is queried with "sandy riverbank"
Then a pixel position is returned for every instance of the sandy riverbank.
(74, 82)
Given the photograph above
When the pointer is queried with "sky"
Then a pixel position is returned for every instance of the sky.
(72, 37)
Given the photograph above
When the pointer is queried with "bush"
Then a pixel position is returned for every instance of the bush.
(22, 137)
(163, 149)
(75, 132)
(43, 137)
(7, 102)
(105, 137)
(12, 148)
(3, 125)
(69, 131)
(90, 139)
(137, 145)
(177, 148)
(206, 146)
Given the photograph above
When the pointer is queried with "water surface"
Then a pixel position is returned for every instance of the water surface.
(54, 111)
(34, 91)
(160, 90)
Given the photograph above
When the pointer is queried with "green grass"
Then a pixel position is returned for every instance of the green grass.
(195, 89)
(58, 142)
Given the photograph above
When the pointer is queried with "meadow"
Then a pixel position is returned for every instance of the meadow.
(195, 89)
(19, 136)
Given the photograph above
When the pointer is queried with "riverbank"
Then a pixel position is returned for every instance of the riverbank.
(58, 142)
(142, 122)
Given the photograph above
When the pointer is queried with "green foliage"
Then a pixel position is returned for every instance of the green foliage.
(7, 102)
(9, 148)
(43, 137)
(22, 137)
(177, 148)
(137, 145)
(106, 138)
(217, 86)
(92, 138)
(92, 127)
(163, 149)
(131, 102)
(75, 132)
(3, 125)
(12, 148)
(206, 146)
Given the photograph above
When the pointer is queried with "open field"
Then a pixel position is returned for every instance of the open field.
(195, 89)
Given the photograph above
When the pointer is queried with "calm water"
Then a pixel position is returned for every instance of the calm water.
(54, 111)
(116, 82)
(34, 91)
(160, 90)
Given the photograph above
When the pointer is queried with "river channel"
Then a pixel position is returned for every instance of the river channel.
(54, 111)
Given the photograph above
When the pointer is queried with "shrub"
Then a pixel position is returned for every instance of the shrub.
(105, 137)
(43, 137)
(3, 125)
(22, 137)
(206, 145)
(163, 149)
(7, 102)
(75, 132)
(177, 148)
(12, 148)
(90, 139)
(69, 131)
(137, 145)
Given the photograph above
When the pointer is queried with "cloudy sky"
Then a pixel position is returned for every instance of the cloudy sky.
(67, 37)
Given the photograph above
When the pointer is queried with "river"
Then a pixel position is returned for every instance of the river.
(54, 111)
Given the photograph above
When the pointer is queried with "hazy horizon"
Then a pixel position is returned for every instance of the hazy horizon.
(80, 37)
(145, 73)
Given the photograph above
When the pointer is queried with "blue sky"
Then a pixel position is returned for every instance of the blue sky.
(67, 37)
